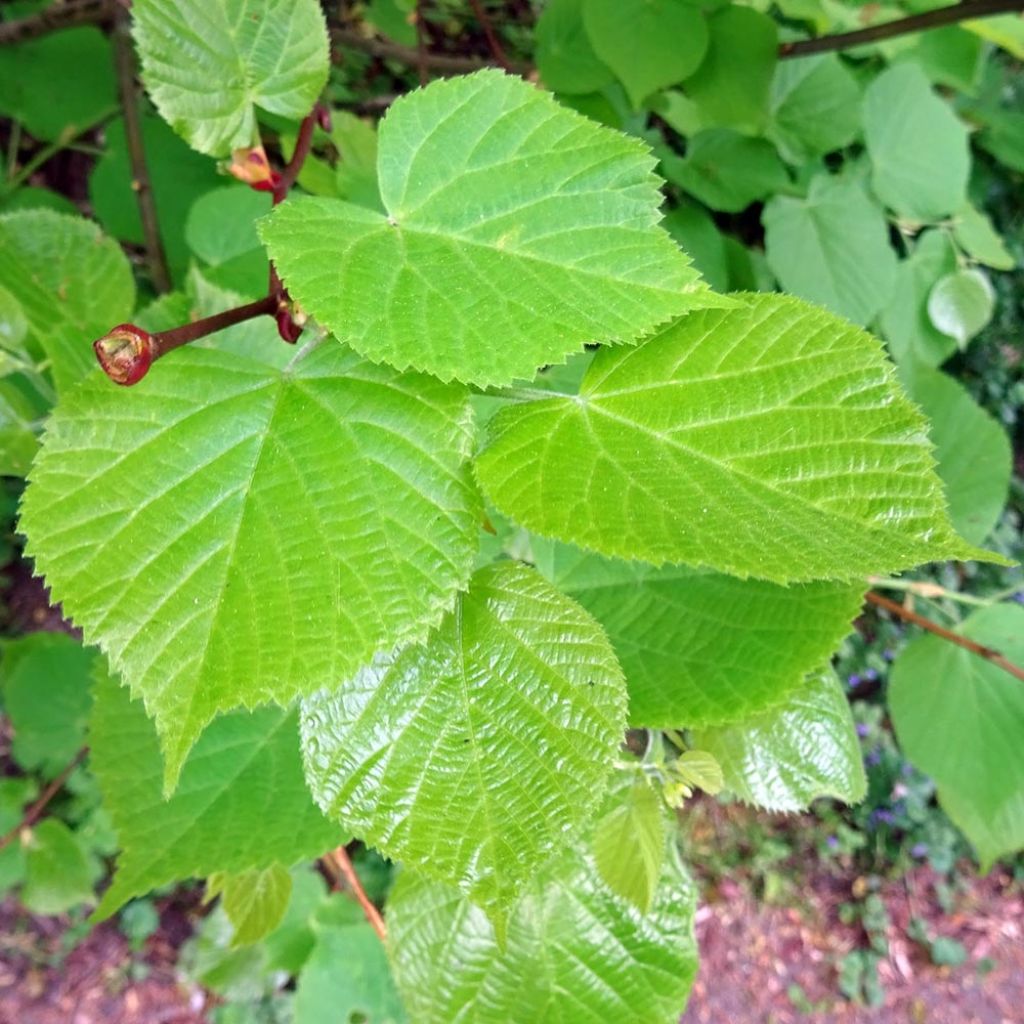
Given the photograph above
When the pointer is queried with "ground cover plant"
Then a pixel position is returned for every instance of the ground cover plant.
(483, 482)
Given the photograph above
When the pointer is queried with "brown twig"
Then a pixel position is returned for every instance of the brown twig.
(340, 867)
(441, 63)
(902, 26)
(909, 615)
(492, 39)
(33, 813)
(58, 16)
(124, 62)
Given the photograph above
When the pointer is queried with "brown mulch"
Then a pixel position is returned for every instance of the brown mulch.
(751, 954)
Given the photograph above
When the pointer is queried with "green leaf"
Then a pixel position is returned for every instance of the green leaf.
(15, 794)
(629, 844)
(649, 44)
(726, 170)
(208, 66)
(732, 84)
(815, 106)
(60, 84)
(509, 217)
(950, 55)
(785, 758)
(700, 647)
(177, 177)
(974, 457)
(770, 440)
(221, 224)
(231, 533)
(45, 679)
(832, 248)
(698, 769)
(918, 148)
(477, 753)
(974, 232)
(565, 59)
(575, 951)
(904, 320)
(72, 283)
(698, 236)
(347, 976)
(961, 304)
(960, 718)
(242, 802)
(255, 900)
(392, 18)
(58, 874)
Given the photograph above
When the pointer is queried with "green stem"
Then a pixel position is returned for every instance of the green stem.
(928, 591)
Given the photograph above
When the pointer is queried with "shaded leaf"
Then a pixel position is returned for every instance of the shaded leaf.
(58, 874)
(242, 802)
(960, 718)
(565, 58)
(255, 900)
(961, 304)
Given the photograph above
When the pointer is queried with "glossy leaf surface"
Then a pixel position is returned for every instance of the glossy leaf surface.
(787, 757)
(475, 754)
(575, 951)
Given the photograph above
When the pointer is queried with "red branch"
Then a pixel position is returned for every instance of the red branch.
(341, 868)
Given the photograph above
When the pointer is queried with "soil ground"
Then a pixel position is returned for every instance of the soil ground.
(750, 956)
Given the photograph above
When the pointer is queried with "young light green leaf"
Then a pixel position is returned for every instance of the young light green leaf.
(731, 85)
(255, 900)
(960, 718)
(771, 440)
(975, 460)
(647, 43)
(58, 873)
(242, 802)
(72, 283)
(221, 223)
(232, 533)
(45, 680)
(815, 106)
(565, 59)
(785, 758)
(961, 304)
(347, 976)
(209, 64)
(699, 769)
(974, 231)
(904, 322)
(475, 754)
(509, 217)
(575, 951)
(832, 248)
(726, 170)
(629, 843)
(918, 147)
(700, 647)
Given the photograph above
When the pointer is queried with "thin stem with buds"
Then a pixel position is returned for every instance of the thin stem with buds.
(32, 815)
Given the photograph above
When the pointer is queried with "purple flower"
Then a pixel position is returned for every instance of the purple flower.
(919, 850)
(1019, 597)
(871, 674)
(833, 842)
(888, 655)
(881, 816)
(852, 681)
(874, 757)
(862, 730)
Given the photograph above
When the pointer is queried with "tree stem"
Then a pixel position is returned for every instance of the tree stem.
(165, 341)
(35, 811)
(909, 615)
(124, 63)
(341, 868)
(902, 26)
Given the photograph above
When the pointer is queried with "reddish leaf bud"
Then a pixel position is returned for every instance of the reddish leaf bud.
(126, 353)
(252, 167)
(323, 117)
(287, 326)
